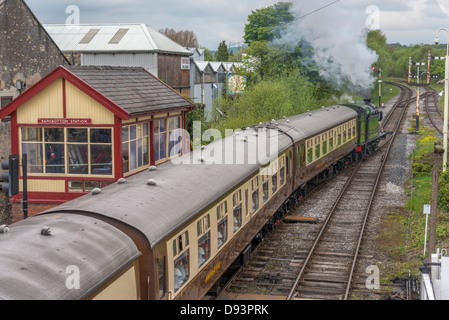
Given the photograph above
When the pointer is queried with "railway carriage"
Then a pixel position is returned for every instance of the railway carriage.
(190, 220)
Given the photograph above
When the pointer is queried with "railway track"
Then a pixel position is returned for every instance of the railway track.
(317, 261)
(433, 112)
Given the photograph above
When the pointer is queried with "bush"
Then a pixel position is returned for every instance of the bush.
(423, 154)
(266, 100)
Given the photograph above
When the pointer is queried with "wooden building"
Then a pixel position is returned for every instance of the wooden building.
(86, 127)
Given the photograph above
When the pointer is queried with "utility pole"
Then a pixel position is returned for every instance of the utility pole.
(417, 103)
(437, 153)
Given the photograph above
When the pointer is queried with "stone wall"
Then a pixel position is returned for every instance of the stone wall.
(27, 54)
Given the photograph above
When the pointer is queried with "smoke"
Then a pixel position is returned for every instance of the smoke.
(337, 34)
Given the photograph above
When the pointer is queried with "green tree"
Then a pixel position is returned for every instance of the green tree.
(222, 53)
(269, 23)
(377, 41)
(208, 56)
(269, 99)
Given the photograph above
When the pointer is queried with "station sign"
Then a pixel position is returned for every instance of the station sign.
(72, 122)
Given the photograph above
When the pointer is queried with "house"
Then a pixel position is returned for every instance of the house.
(87, 126)
(125, 45)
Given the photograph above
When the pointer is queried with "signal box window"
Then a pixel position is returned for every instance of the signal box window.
(80, 151)
(135, 146)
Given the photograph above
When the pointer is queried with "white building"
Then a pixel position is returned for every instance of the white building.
(124, 45)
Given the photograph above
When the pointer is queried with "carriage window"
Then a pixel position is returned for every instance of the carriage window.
(203, 248)
(180, 243)
(203, 225)
(255, 200)
(282, 176)
(331, 144)
(237, 217)
(265, 192)
(222, 226)
(203, 229)
(222, 231)
(246, 202)
(274, 183)
(298, 157)
(317, 151)
(237, 198)
(222, 209)
(161, 275)
(255, 183)
(324, 143)
(309, 155)
(237, 203)
(182, 270)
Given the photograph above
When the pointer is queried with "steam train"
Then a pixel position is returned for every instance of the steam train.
(172, 232)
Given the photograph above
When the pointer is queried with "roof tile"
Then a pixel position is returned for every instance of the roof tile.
(132, 88)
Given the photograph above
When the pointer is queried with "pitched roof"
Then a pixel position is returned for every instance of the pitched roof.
(136, 37)
(125, 91)
(132, 88)
(202, 65)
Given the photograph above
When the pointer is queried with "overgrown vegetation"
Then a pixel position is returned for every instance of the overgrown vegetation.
(402, 229)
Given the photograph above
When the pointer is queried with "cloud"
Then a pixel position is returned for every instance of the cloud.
(212, 21)
(404, 21)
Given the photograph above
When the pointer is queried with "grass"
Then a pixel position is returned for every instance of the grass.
(402, 229)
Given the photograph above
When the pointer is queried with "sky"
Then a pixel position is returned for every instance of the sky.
(406, 22)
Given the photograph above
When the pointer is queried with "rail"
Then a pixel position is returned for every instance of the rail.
(403, 101)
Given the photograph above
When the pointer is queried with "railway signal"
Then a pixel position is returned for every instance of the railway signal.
(10, 178)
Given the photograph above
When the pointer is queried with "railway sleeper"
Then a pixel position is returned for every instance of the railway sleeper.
(321, 287)
(326, 278)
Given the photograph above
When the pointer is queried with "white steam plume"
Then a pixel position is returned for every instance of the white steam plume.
(337, 34)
